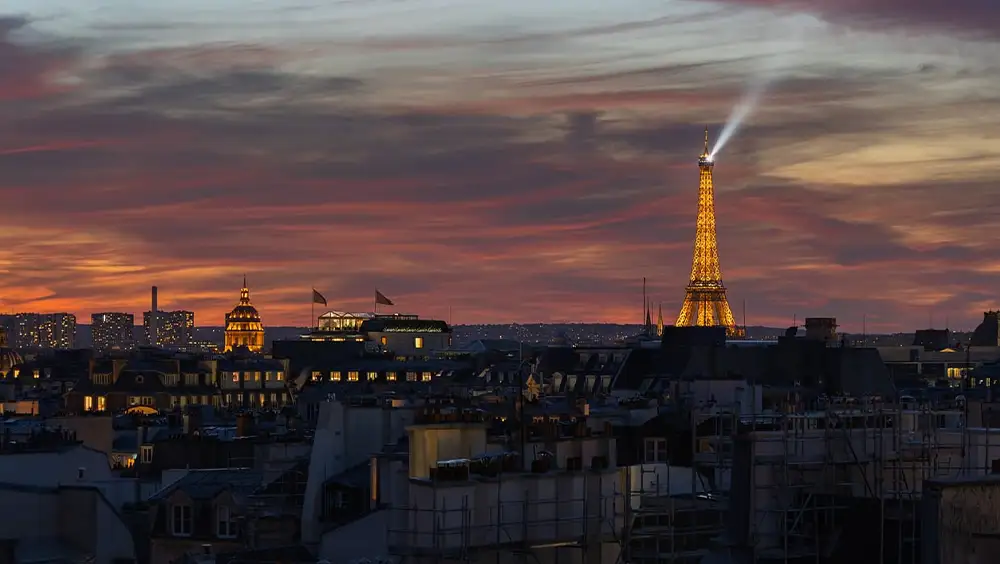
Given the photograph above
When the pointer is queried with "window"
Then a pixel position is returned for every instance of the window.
(411, 376)
(656, 450)
(352, 376)
(425, 377)
(88, 403)
(226, 525)
(418, 342)
(384, 340)
(190, 379)
(101, 406)
(256, 376)
(236, 377)
(139, 379)
(146, 454)
(372, 376)
(317, 375)
(335, 376)
(390, 376)
(280, 376)
(180, 521)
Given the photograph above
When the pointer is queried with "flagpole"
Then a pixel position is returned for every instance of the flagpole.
(312, 309)
(376, 301)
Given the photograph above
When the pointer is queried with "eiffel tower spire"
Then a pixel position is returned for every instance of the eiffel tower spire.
(705, 303)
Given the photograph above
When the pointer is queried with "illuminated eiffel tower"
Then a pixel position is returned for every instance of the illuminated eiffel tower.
(705, 303)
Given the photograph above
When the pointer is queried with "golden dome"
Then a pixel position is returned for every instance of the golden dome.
(8, 356)
(243, 325)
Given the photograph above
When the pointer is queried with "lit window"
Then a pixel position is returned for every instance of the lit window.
(236, 377)
(425, 377)
(335, 376)
(280, 376)
(317, 375)
(418, 342)
(352, 376)
(101, 406)
(384, 340)
(180, 522)
(88, 403)
(372, 376)
(146, 454)
(226, 524)
(256, 376)
(390, 376)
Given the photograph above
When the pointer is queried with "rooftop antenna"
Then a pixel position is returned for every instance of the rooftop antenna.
(643, 318)
(745, 318)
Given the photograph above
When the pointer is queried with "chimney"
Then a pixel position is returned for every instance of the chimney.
(154, 322)
(192, 420)
(244, 425)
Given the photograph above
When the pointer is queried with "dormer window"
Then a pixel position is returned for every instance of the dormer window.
(138, 379)
(146, 454)
(180, 520)
(656, 450)
(225, 523)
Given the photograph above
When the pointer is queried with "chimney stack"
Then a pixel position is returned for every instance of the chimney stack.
(153, 322)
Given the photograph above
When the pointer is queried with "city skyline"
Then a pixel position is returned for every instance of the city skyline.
(504, 162)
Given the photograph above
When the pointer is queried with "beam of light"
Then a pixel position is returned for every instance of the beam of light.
(760, 82)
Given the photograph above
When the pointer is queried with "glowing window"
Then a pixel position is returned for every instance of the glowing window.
(418, 342)
(425, 377)
(352, 376)
(335, 376)
(390, 376)
(88, 403)
(372, 376)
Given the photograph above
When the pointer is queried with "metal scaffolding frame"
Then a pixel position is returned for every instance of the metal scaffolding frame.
(518, 527)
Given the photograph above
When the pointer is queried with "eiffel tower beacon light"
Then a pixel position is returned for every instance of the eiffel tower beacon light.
(705, 303)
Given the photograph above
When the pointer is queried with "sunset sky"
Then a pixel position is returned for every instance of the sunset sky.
(513, 161)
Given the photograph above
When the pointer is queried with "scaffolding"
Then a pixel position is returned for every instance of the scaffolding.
(812, 471)
(519, 518)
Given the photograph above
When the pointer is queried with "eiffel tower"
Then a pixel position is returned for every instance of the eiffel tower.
(705, 303)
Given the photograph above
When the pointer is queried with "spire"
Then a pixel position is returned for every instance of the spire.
(245, 292)
(659, 321)
(649, 320)
(706, 139)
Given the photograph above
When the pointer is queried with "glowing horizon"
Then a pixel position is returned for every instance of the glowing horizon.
(514, 161)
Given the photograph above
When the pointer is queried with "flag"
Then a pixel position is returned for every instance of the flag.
(381, 299)
(318, 298)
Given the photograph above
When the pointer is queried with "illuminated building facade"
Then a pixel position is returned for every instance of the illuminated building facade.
(112, 331)
(404, 335)
(40, 330)
(243, 325)
(705, 302)
(174, 328)
(8, 356)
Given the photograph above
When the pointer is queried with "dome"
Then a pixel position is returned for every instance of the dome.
(8, 356)
(243, 326)
(244, 312)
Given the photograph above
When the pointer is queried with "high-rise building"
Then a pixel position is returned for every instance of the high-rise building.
(40, 330)
(173, 328)
(243, 325)
(112, 331)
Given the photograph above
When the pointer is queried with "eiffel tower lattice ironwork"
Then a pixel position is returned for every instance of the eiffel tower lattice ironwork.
(705, 303)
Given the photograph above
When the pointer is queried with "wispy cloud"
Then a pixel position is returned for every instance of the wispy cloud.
(533, 169)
